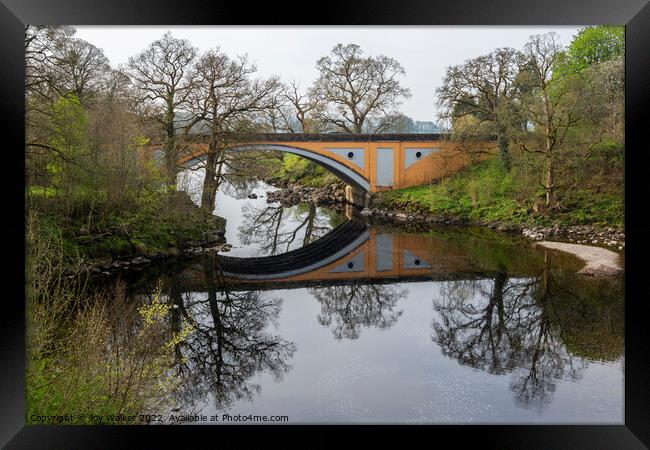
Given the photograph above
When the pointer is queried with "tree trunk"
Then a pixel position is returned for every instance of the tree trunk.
(171, 156)
(550, 191)
(311, 216)
(504, 155)
(213, 168)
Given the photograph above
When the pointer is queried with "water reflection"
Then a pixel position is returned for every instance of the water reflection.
(238, 187)
(275, 229)
(230, 342)
(287, 322)
(348, 308)
(529, 328)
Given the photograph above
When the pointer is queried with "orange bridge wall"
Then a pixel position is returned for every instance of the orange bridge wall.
(430, 168)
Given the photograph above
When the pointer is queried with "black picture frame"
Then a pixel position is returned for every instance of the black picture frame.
(635, 14)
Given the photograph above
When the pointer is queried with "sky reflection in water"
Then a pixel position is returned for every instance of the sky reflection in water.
(492, 331)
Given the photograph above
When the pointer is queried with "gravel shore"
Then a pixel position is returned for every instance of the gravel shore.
(600, 262)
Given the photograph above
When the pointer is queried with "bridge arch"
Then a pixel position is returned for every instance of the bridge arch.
(335, 245)
(346, 174)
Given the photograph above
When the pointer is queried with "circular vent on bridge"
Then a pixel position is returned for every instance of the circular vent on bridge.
(350, 155)
(350, 265)
(416, 262)
(418, 155)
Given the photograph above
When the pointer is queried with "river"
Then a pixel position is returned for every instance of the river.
(324, 318)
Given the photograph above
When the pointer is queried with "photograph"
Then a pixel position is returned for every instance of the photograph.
(242, 224)
(341, 224)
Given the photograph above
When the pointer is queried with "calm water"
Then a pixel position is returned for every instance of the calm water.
(370, 323)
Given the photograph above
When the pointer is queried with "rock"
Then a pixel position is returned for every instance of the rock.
(366, 212)
(401, 216)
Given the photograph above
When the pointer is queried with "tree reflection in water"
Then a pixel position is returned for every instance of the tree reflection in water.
(520, 326)
(230, 342)
(274, 228)
(347, 308)
(238, 187)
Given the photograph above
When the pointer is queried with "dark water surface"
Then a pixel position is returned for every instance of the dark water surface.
(329, 320)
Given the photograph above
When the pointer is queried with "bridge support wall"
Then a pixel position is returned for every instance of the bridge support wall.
(357, 196)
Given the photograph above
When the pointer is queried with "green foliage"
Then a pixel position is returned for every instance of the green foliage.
(100, 368)
(68, 124)
(296, 169)
(158, 221)
(42, 191)
(593, 45)
(485, 192)
(90, 351)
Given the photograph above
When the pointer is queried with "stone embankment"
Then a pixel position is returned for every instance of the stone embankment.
(580, 234)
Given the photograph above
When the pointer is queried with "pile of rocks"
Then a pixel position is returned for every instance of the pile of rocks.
(294, 194)
(580, 234)
(334, 196)
(191, 251)
(412, 217)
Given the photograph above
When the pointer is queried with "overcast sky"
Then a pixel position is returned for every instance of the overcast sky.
(291, 52)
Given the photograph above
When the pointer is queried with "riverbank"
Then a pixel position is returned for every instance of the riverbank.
(582, 234)
(163, 226)
(382, 210)
(485, 194)
(599, 262)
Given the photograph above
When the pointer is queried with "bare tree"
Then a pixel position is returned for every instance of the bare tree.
(484, 88)
(161, 74)
(41, 43)
(231, 342)
(302, 107)
(79, 68)
(277, 229)
(293, 111)
(62, 74)
(356, 88)
(505, 326)
(227, 104)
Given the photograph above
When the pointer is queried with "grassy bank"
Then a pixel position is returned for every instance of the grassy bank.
(486, 193)
(91, 351)
(156, 221)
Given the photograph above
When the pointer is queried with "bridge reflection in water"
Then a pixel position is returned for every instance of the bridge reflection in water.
(353, 251)
(502, 308)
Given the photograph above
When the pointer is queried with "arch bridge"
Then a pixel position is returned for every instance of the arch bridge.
(368, 163)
